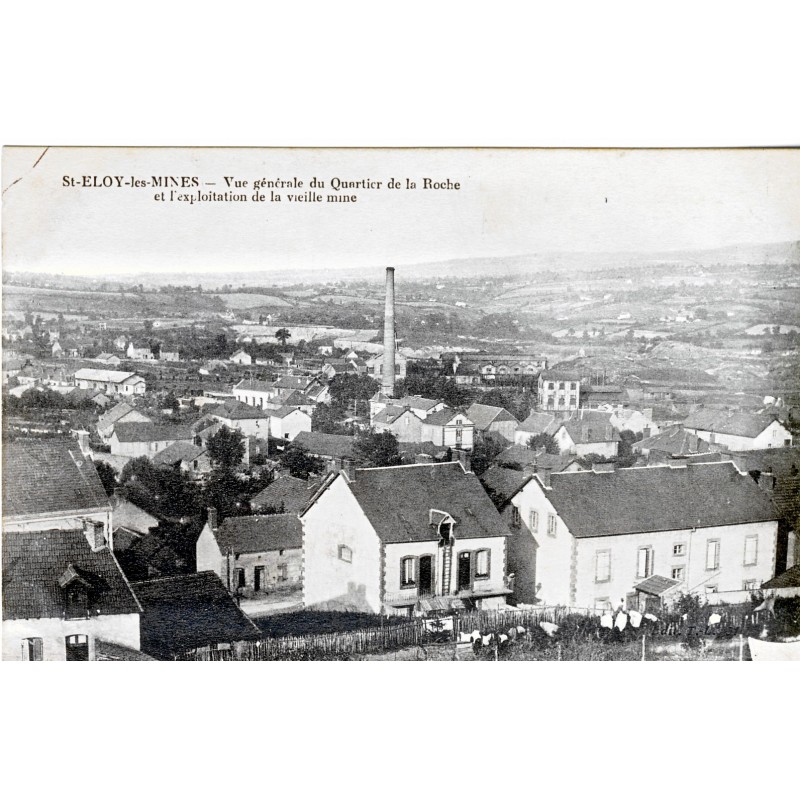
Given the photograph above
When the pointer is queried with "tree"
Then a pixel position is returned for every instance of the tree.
(544, 440)
(484, 452)
(148, 326)
(107, 475)
(224, 491)
(377, 449)
(283, 336)
(226, 448)
(300, 465)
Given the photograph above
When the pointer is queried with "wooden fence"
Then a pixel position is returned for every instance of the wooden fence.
(322, 646)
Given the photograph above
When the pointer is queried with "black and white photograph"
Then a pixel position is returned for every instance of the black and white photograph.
(400, 404)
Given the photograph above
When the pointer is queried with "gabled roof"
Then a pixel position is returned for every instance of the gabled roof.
(333, 445)
(301, 382)
(189, 611)
(414, 401)
(47, 476)
(483, 416)
(656, 585)
(179, 451)
(250, 385)
(398, 501)
(150, 432)
(733, 423)
(260, 533)
(783, 462)
(233, 409)
(285, 411)
(106, 375)
(591, 427)
(537, 422)
(114, 414)
(386, 416)
(291, 493)
(674, 440)
(519, 454)
(34, 562)
(128, 515)
(659, 498)
(443, 417)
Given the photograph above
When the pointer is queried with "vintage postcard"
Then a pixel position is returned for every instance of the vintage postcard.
(400, 404)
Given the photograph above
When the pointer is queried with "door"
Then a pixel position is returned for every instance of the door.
(77, 648)
(258, 578)
(464, 571)
(425, 575)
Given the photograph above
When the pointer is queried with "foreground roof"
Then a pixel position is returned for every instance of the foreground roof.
(657, 499)
(189, 611)
(260, 533)
(179, 451)
(536, 422)
(503, 483)
(252, 385)
(34, 562)
(233, 409)
(47, 476)
(113, 414)
(398, 501)
(150, 432)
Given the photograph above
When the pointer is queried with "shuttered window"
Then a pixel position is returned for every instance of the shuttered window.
(32, 649)
(602, 566)
(750, 551)
(482, 563)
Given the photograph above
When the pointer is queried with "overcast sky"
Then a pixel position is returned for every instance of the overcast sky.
(511, 202)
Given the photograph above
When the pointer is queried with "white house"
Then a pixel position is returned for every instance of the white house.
(122, 412)
(110, 381)
(241, 357)
(250, 421)
(588, 539)
(559, 391)
(134, 439)
(587, 432)
(287, 422)
(64, 597)
(254, 393)
(401, 422)
(449, 428)
(738, 430)
(404, 539)
(140, 352)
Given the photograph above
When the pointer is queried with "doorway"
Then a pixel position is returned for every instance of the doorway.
(425, 575)
(464, 571)
(77, 648)
(258, 578)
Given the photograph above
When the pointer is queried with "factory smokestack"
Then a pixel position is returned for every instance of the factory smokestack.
(387, 373)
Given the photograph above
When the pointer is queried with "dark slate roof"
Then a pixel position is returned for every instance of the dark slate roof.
(414, 401)
(786, 497)
(442, 417)
(301, 382)
(233, 409)
(189, 611)
(483, 416)
(591, 427)
(150, 432)
(518, 454)
(293, 493)
(252, 385)
(503, 483)
(47, 476)
(786, 580)
(389, 414)
(537, 422)
(674, 440)
(34, 562)
(260, 533)
(179, 451)
(398, 500)
(333, 445)
(783, 462)
(284, 411)
(657, 498)
(734, 423)
(656, 585)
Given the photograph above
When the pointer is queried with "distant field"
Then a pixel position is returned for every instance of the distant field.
(242, 300)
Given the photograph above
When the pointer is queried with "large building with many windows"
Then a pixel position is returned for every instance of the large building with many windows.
(559, 391)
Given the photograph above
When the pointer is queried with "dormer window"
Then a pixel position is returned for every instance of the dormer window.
(444, 526)
(76, 587)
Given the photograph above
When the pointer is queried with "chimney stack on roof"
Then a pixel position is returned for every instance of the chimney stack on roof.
(464, 458)
(544, 476)
(348, 470)
(387, 372)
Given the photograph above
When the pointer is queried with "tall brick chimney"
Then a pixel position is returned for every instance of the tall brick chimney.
(387, 373)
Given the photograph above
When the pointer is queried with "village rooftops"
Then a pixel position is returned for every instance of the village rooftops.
(112, 415)
(591, 427)
(558, 375)
(233, 409)
(388, 415)
(290, 494)
(659, 498)
(105, 375)
(399, 501)
(732, 423)
(49, 476)
(260, 533)
(502, 483)
(783, 462)
(150, 432)
(415, 401)
(442, 417)
(301, 382)
(675, 441)
(178, 451)
(284, 411)
(332, 445)
(537, 422)
(251, 385)
(483, 416)
(39, 565)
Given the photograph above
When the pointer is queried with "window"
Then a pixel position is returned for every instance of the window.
(644, 562)
(407, 572)
(679, 549)
(345, 553)
(711, 589)
(32, 650)
(534, 522)
(750, 586)
(750, 550)
(602, 566)
(516, 518)
(77, 648)
(77, 604)
(678, 573)
(240, 579)
(712, 554)
(551, 524)
(283, 573)
(482, 561)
